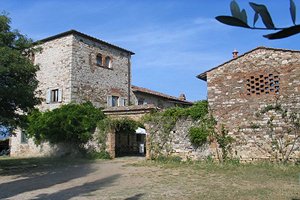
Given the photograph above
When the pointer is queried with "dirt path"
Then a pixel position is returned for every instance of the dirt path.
(120, 180)
(113, 179)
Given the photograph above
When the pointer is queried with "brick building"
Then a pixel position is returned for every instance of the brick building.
(239, 88)
(75, 67)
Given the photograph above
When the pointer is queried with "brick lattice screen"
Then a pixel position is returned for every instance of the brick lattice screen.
(262, 84)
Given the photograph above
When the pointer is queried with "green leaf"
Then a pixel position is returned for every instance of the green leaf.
(287, 32)
(293, 11)
(264, 14)
(244, 16)
(235, 9)
(232, 21)
(256, 16)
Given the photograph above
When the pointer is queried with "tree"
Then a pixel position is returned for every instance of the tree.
(239, 18)
(72, 123)
(17, 76)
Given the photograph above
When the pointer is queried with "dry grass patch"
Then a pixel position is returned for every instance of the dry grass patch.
(206, 180)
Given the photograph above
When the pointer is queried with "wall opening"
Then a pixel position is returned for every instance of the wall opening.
(262, 84)
(130, 143)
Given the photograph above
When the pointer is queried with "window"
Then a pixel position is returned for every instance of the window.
(113, 101)
(54, 96)
(141, 101)
(262, 84)
(24, 139)
(107, 62)
(99, 59)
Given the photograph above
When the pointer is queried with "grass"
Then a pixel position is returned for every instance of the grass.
(209, 180)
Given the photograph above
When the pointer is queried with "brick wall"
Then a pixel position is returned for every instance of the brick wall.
(238, 89)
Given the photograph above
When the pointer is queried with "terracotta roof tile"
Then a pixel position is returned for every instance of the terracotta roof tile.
(131, 108)
(159, 94)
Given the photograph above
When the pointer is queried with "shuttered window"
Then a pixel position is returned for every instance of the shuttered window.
(54, 96)
(113, 101)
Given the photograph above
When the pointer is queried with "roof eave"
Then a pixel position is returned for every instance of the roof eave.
(70, 32)
(202, 76)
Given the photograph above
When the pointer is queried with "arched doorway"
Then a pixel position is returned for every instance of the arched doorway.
(130, 142)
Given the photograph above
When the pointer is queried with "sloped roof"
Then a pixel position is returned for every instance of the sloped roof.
(159, 94)
(131, 108)
(74, 32)
(203, 76)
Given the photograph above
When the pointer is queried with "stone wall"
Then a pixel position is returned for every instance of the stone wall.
(19, 148)
(55, 62)
(175, 143)
(240, 88)
(68, 63)
(94, 82)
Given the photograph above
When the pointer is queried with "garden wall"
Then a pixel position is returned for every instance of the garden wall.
(176, 142)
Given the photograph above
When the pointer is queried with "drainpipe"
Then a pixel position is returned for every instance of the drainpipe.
(129, 80)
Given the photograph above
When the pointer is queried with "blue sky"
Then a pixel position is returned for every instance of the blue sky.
(174, 40)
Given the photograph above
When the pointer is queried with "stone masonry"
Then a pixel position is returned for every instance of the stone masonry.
(177, 142)
(68, 64)
(241, 87)
(75, 67)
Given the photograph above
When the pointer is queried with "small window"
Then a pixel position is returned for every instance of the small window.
(141, 101)
(122, 101)
(112, 101)
(24, 139)
(99, 59)
(54, 96)
(107, 62)
(115, 101)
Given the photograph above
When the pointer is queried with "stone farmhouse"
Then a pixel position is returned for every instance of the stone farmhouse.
(75, 67)
(241, 87)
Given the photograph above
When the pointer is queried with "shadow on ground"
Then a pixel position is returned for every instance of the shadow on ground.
(44, 177)
(136, 197)
(80, 190)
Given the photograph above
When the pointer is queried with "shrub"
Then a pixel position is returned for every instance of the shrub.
(198, 135)
(72, 123)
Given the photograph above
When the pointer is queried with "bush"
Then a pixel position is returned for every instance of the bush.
(198, 135)
(72, 123)
(198, 110)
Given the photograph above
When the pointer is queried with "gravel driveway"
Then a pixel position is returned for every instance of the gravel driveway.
(113, 179)
(120, 179)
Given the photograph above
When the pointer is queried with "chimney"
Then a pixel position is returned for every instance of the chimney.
(182, 97)
(235, 53)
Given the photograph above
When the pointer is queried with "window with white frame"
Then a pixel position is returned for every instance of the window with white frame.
(141, 101)
(54, 96)
(113, 101)
(107, 62)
